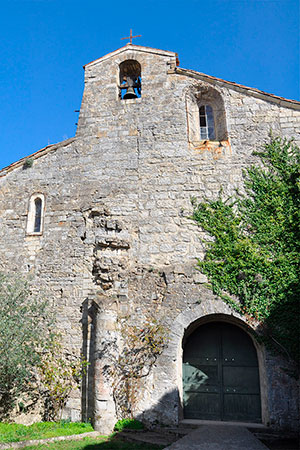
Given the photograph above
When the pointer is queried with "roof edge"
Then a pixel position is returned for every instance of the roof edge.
(129, 46)
(254, 91)
(35, 155)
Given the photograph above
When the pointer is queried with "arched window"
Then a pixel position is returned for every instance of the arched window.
(35, 214)
(207, 124)
(206, 118)
(130, 80)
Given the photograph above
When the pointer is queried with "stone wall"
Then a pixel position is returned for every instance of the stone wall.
(117, 241)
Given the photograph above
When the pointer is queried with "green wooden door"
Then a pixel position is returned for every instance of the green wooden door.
(220, 375)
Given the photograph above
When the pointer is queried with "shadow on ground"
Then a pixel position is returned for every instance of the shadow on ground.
(282, 444)
(114, 443)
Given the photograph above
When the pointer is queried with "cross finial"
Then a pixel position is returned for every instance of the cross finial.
(131, 37)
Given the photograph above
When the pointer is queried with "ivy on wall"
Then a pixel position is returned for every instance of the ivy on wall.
(252, 253)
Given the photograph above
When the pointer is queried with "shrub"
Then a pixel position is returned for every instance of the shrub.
(131, 424)
(28, 163)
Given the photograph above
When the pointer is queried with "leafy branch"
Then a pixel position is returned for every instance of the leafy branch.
(252, 255)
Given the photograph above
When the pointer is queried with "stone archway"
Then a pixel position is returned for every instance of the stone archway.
(186, 322)
(220, 374)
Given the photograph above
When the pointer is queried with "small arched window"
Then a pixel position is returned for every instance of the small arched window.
(35, 214)
(207, 124)
(130, 80)
(206, 117)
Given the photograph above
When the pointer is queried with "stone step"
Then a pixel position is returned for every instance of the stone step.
(263, 433)
(185, 427)
(195, 423)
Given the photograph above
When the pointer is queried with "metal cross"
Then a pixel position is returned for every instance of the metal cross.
(131, 37)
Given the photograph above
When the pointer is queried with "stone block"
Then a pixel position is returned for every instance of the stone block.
(200, 278)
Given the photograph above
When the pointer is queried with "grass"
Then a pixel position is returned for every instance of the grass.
(100, 443)
(12, 432)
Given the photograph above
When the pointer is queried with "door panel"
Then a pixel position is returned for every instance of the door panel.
(220, 374)
(200, 378)
(203, 406)
(244, 408)
(243, 380)
(237, 346)
(201, 395)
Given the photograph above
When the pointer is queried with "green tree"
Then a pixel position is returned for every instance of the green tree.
(33, 360)
(25, 332)
(252, 256)
(59, 372)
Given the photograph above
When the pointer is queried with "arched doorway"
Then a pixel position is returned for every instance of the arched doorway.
(220, 374)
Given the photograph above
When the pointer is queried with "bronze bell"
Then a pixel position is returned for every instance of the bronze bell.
(130, 93)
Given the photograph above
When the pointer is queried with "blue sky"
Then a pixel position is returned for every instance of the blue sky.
(45, 43)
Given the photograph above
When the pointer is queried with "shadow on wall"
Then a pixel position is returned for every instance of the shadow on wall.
(281, 329)
(166, 410)
(157, 416)
(89, 334)
(164, 413)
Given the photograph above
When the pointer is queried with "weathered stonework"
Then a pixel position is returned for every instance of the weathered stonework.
(116, 239)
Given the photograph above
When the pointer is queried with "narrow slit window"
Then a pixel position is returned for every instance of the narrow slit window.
(207, 126)
(35, 218)
(37, 215)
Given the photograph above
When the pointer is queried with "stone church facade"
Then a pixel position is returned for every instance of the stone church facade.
(101, 223)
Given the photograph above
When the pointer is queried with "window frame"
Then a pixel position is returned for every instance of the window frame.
(208, 118)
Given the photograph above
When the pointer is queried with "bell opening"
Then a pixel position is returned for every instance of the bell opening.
(130, 80)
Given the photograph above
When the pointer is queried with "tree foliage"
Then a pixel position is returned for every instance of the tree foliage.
(252, 257)
(25, 324)
(33, 362)
(58, 372)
